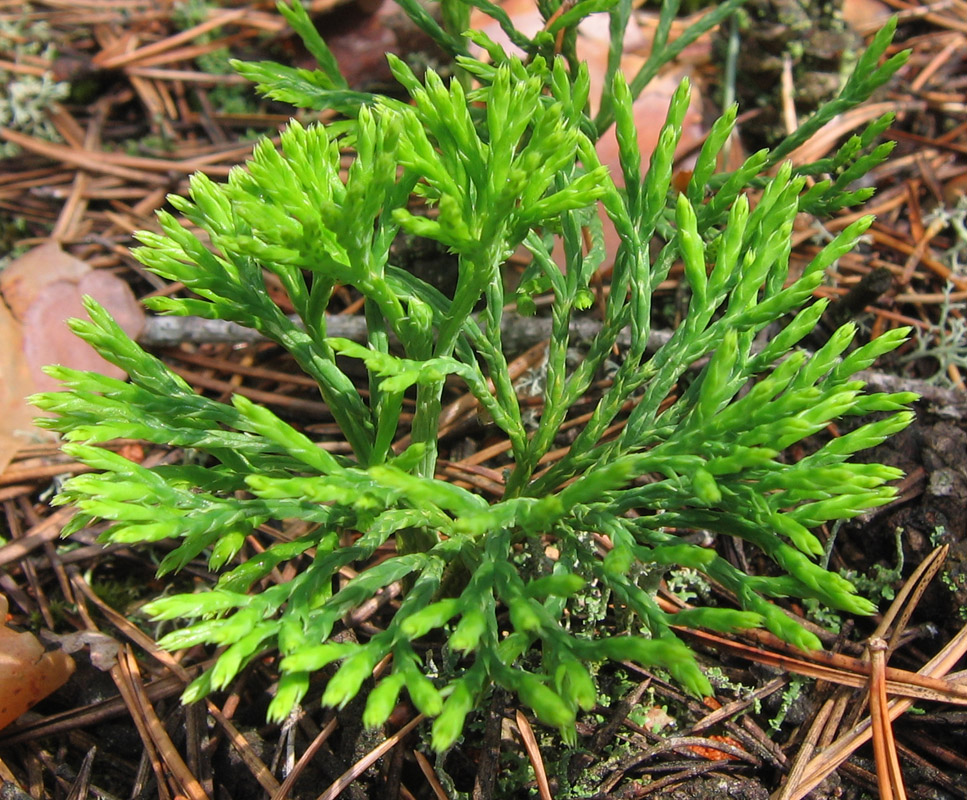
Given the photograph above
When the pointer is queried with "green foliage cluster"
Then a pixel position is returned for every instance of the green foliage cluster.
(505, 156)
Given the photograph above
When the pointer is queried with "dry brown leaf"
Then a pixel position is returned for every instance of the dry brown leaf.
(866, 15)
(27, 673)
(16, 417)
(360, 49)
(48, 340)
(656, 718)
(650, 109)
(24, 278)
(103, 649)
(42, 290)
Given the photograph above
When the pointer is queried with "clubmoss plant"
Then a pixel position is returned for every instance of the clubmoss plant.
(504, 155)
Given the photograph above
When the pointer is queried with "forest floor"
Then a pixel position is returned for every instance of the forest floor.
(141, 97)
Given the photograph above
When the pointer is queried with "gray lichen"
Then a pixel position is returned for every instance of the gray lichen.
(25, 98)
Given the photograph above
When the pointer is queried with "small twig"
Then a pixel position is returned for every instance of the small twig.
(89, 715)
(159, 736)
(305, 759)
(488, 762)
(691, 771)
(737, 706)
(907, 599)
(46, 531)
(678, 744)
(519, 334)
(427, 768)
(357, 769)
(215, 21)
(825, 763)
(256, 766)
(534, 755)
(884, 747)
(805, 752)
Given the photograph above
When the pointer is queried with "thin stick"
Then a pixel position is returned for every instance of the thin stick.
(215, 21)
(283, 791)
(825, 763)
(256, 766)
(430, 775)
(534, 755)
(172, 758)
(339, 785)
(884, 747)
(806, 750)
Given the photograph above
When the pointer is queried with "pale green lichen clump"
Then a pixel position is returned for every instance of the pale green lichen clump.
(26, 98)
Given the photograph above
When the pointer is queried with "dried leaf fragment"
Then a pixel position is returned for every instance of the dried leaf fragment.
(27, 673)
(43, 289)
